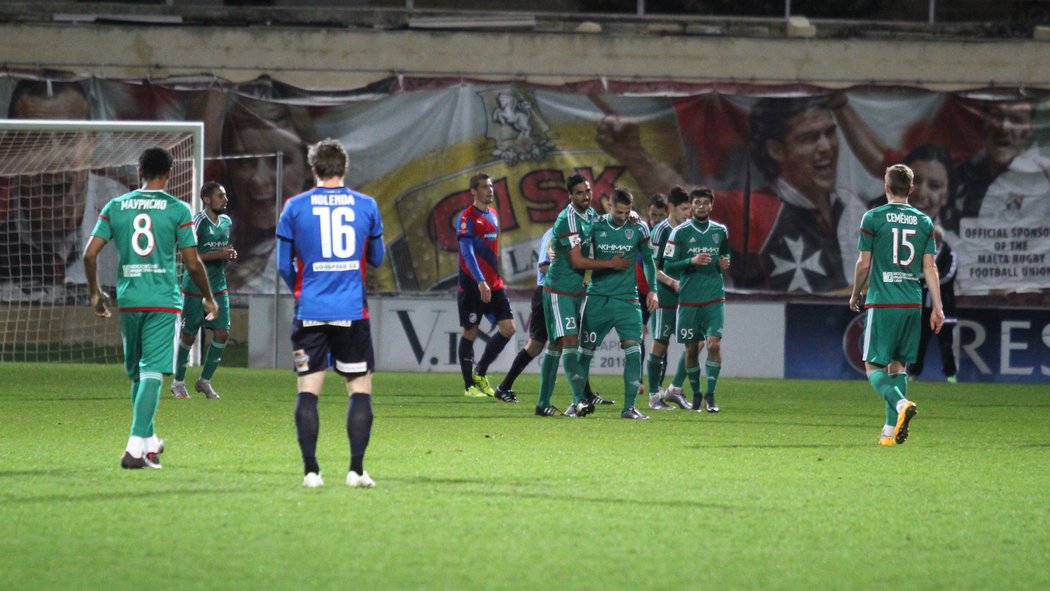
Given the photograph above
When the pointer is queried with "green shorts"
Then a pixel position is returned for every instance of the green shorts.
(892, 334)
(562, 313)
(696, 323)
(663, 321)
(602, 314)
(149, 342)
(193, 313)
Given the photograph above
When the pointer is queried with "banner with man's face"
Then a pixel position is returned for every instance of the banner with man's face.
(793, 168)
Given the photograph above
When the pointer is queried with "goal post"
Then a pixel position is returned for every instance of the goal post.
(55, 177)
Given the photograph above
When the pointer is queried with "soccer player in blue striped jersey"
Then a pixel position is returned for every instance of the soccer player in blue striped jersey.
(481, 290)
(325, 237)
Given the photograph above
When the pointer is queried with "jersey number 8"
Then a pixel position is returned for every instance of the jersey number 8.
(337, 231)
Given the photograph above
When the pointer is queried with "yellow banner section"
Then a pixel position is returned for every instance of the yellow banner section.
(421, 201)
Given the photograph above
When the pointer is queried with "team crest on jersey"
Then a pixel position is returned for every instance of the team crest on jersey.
(628, 233)
(717, 238)
(516, 125)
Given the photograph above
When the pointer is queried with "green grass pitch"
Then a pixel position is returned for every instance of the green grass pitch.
(784, 489)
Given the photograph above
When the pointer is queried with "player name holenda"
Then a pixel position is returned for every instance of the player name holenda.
(342, 199)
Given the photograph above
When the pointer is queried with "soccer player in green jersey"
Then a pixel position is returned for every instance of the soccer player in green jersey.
(691, 253)
(894, 238)
(148, 227)
(212, 227)
(612, 298)
(562, 292)
(680, 210)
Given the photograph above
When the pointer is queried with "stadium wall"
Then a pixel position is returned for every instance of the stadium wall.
(340, 58)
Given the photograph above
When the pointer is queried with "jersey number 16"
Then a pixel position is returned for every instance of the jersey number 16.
(337, 231)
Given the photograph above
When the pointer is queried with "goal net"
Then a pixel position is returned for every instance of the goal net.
(55, 177)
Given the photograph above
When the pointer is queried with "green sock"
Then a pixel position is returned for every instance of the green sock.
(900, 380)
(883, 385)
(679, 373)
(655, 367)
(211, 361)
(146, 404)
(570, 360)
(713, 369)
(134, 392)
(583, 368)
(181, 361)
(693, 373)
(891, 414)
(548, 376)
(632, 375)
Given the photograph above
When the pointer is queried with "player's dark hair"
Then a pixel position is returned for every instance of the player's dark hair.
(621, 196)
(658, 201)
(154, 163)
(41, 89)
(475, 181)
(699, 192)
(772, 119)
(677, 196)
(328, 159)
(574, 180)
(899, 180)
(210, 187)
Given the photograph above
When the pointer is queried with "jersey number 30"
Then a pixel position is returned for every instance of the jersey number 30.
(337, 231)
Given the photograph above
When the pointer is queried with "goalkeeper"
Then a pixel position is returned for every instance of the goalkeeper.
(212, 227)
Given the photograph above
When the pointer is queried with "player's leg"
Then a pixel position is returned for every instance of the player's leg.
(915, 368)
(354, 359)
(570, 358)
(596, 321)
(130, 326)
(880, 332)
(469, 303)
(946, 343)
(157, 332)
(656, 363)
(711, 323)
(689, 334)
(192, 317)
(908, 328)
(534, 346)
(310, 350)
(499, 308)
(220, 327)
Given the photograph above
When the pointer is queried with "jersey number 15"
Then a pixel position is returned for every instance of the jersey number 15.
(900, 240)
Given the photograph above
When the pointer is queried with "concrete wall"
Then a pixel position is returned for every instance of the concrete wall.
(344, 58)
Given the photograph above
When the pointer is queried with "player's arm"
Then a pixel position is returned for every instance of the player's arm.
(860, 279)
(933, 283)
(376, 251)
(470, 258)
(649, 270)
(951, 266)
(226, 253)
(192, 261)
(99, 298)
(584, 263)
(723, 253)
(286, 261)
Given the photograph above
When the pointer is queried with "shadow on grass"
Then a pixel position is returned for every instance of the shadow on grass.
(119, 495)
(780, 446)
(470, 485)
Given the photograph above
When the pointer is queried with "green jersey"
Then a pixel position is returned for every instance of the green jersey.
(147, 228)
(211, 236)
(897, 235)
(698, 284)
(571, 229)
(631, 240)
(658, 242)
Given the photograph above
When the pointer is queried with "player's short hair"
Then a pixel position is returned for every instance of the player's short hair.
(701, 192)
(899, 180)
(574, 180)
(621, 196)
(475, 181)
(658, 201)
(41, 89)
(154, 163)
(210, 187)
(677, 196)
(328, 159)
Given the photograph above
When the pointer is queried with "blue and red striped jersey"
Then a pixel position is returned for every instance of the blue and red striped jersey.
(325, 237)
(479, 247)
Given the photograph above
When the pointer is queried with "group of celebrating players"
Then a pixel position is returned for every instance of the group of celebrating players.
(590, 269)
